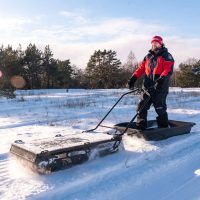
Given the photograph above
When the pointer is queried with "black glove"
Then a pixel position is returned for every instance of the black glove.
(159, 83)
(131, 81)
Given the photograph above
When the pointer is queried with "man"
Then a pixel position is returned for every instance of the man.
(157, 68)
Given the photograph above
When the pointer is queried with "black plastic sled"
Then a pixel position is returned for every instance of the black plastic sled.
(153, 132)
(61, 152)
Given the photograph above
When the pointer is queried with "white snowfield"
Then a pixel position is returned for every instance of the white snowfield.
(153, 170)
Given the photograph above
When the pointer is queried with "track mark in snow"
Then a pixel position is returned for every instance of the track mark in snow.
(144, 173)
(136, 144)
(5, 179)
(17, 182)
(167, 148)
(143, 167)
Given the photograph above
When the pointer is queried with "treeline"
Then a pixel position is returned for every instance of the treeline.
(38, 68)
(188, 74)
(41, 71)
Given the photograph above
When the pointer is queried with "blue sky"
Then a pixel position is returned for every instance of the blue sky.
(75, 28)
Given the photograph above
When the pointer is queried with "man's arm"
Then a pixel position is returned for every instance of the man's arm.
(167, 65)
(140, 70)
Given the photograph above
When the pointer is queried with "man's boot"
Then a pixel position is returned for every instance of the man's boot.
(162, 121)
(141, 125)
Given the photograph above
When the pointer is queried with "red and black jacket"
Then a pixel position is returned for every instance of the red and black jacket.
(154, 65)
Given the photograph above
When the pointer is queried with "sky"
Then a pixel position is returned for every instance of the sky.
(74, 29)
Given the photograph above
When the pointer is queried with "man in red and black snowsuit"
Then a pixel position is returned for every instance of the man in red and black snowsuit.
(157, 68)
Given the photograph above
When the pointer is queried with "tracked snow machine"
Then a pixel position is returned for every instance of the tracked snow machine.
(64, 151)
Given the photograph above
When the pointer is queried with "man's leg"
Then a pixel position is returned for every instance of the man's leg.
(159, 102)
(142, 116)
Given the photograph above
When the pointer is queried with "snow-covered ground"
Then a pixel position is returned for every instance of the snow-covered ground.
(168, 169)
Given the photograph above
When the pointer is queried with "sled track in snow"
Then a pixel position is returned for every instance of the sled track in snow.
(43, 122)
(171, 153)
(127, 169)
(5, 179)
(16, 182)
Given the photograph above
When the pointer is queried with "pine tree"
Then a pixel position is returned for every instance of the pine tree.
(188, 74)
(47, 64)
(64, 75)
(10, 64)
(103, 70)
(33, 63)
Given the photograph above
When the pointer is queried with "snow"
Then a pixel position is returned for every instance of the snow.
(168, 169)
(61, 142)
